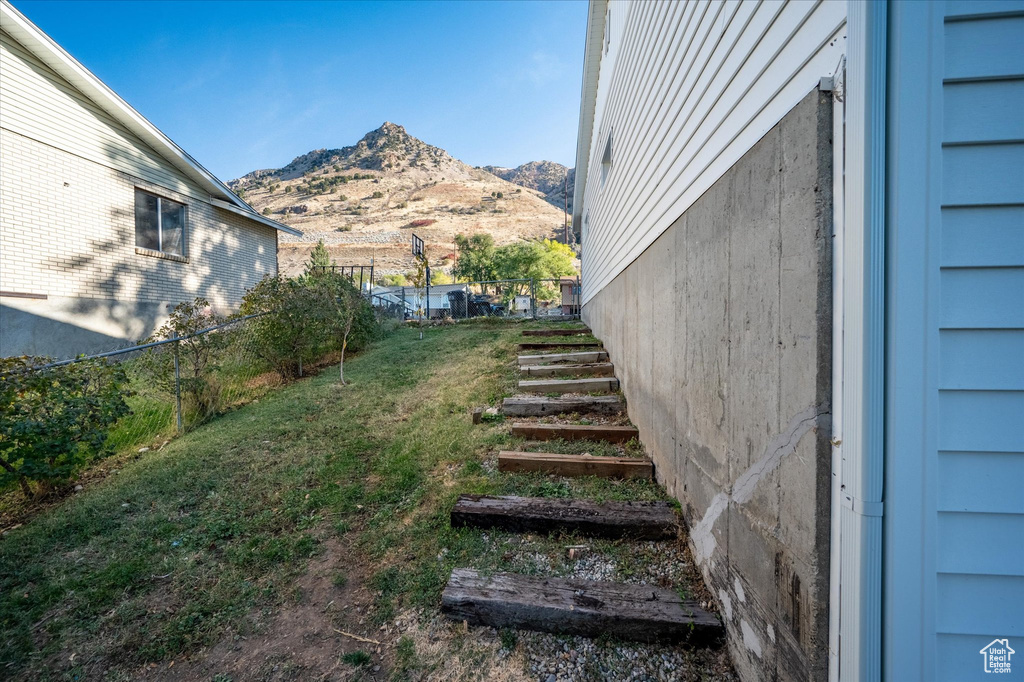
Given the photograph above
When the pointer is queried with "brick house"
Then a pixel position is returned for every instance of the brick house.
(105, 223)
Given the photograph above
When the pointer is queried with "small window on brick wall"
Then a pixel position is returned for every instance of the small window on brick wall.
(159, 224)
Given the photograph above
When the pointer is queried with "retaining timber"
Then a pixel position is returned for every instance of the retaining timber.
(558, 464)
(577, 607)
(606, 369)
(608, 434)
(591, 385)
(585, 356)
(540, 406)
(557, 332)
(559, 345)
(637, 520)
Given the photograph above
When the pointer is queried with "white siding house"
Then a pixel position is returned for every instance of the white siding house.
(105, 223)
(802, 233)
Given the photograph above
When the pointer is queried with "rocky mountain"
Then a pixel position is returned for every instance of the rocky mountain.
(366, 199)
(547, 177)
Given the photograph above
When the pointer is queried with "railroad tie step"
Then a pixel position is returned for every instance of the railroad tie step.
(608, 434)
(578, 607)
(589, 385)
(557, 332)
(560, 345)
(539, 406)
(556, 464)
(606, 369)
(636, 520)
(554, 358)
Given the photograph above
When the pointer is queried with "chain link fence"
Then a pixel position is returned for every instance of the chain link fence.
(174, 384)
(507, 298)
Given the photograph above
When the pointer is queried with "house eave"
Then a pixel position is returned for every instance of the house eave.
(588, 102)
(252, 215)
(44, 48)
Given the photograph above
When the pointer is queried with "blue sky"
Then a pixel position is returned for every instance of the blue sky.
(247, 85)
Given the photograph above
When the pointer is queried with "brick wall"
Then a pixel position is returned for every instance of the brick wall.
(67, 229)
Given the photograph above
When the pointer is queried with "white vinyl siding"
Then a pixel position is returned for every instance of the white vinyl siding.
(39, 104)
(688, 88)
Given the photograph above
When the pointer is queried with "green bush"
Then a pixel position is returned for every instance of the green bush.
(305, 318)
(54, 421)
(198, 358)
(378, 195)
(289, 332)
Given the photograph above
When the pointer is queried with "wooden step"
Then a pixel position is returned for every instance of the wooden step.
(593, 385)
(557, 332)
(585, 356)
(577, 607)
(575, 465)
(540, 406)
(560, 345)
(606, 369)
(637, 520)
(609, 434)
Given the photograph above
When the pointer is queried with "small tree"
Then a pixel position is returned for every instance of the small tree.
(54, 420)
(418, 278)
(346, 305)
(319, 258)
(475, 257)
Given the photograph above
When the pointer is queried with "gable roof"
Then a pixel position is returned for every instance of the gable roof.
(46, 50)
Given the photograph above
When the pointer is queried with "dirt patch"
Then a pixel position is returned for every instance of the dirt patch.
(301, 640)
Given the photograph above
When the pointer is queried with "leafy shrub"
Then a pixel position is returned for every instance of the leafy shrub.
(378, 195)
(422, 222)
(289, 332)
(305, 318)
(54, 421)
(198, 357)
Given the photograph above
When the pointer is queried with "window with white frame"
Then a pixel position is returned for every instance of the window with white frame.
(159, 224)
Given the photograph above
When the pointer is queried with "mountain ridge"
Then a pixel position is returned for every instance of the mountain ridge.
(363, 200)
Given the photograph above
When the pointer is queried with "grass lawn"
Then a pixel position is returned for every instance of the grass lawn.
(211, 538)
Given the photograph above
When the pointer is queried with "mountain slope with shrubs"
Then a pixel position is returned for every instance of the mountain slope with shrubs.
(365, 200)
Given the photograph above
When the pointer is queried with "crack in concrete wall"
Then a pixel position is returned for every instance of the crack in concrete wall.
(743, 489)
(721, 336)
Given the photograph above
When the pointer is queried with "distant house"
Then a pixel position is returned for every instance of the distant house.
(105, 223)
(803, 249)
(570, 291)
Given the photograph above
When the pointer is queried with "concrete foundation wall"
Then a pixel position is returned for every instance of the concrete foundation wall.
(721, 336)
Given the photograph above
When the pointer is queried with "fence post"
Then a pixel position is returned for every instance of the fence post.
(177, 383)
(533, 298)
